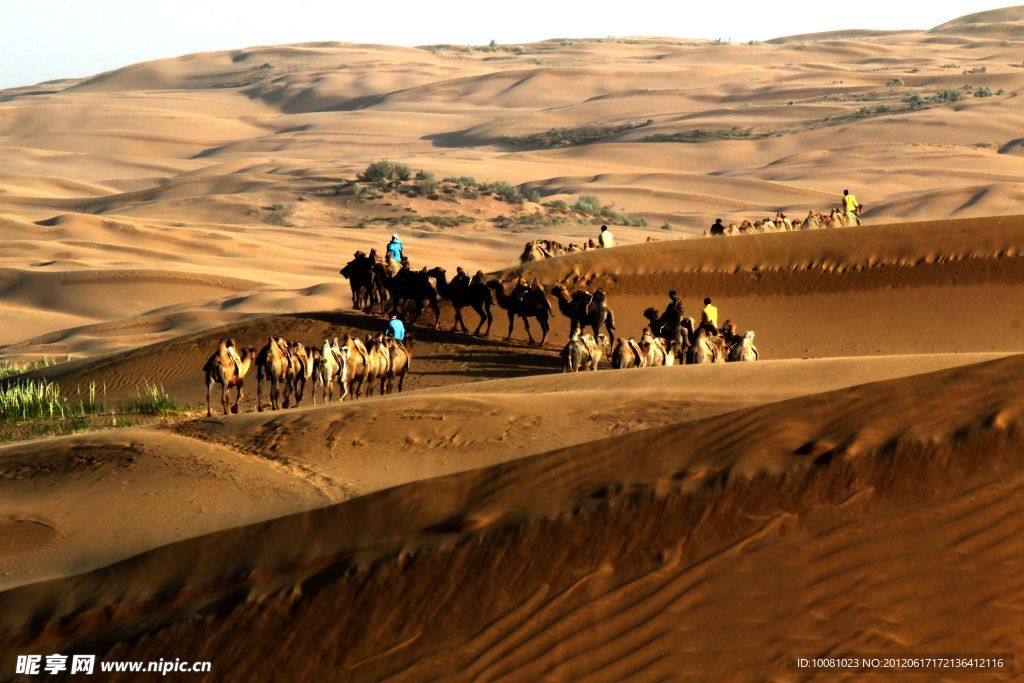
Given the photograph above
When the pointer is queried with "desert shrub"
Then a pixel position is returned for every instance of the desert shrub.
(983, 91)
(948, 95)
(976, 70)
(666, 226)
(533, 196)
(916, 101)
(8, 369)
(461, 181)
(1000, 92)
(588, 204)
(386, 171)
(560, 204)
(358, 190)
(505, 191)
(427, 181)
(895, 83)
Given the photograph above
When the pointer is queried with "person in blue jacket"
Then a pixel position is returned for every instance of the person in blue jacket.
(396, 328)
(395, 248)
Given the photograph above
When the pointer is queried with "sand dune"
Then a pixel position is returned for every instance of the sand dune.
(614, 595)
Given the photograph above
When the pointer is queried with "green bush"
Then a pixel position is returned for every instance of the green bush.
(560, 204)
(983, 91)
(461, 181)
(386, 171)
(666, 226)
(505, 191)
(948, 95)
(533, 196)
(895, 83)
(588, 204)
(427, 181)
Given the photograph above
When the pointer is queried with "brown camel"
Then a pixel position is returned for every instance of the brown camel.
(221, 369)
(355, 376)
(274, 364)
(655, 351)
(525, 302)
(401, 359)
(586, 310)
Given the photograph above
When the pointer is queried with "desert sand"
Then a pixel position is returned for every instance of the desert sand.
(856, 490)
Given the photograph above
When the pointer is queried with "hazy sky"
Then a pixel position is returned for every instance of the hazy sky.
(48, 39)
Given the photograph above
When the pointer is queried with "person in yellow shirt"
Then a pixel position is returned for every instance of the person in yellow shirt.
(709, 316)
(852, 208)
(605, 239)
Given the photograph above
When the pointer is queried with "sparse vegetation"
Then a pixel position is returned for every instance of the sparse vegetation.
(151, 400)
(503, 190)
(588, 204)
(950, 66)
(427, 182)
(387, 172)
(570, 137)
(947, 95)
(895, 83)
(705, 135)
(976, 70)
(8, 369)
(983, 91)
(666, 226)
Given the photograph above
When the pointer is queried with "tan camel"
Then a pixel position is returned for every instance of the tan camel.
(584, 352)
(221, 369)
(355, 376)
(744, 350)
(627, 354)
(378, 363)
(401, 359)
(703, 349)
(654, 351)
(274, 365)
(331, 366)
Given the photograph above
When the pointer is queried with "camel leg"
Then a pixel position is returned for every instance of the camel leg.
(511, 322)
(224, 397)
(437, 315)
(526, 323)
(459, 321)
(209, 385)
(543, 329)
(238, 397)
(401, 381)
(259, 395)
(490, 319)
(480, 312)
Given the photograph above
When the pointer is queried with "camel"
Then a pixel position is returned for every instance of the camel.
(356, 365)
(221, 369)
(627, 354)
(301, 370)
(362, 278)
(332, 366)
(401, 359)
(672, 326)
(584, 352)
(406, 286)
(524, 302)
(586, 310)
(474, 294)
(538, 250)
(274, 364)
(704, 349)
(654, 350)
(743, 350)
(378, 363)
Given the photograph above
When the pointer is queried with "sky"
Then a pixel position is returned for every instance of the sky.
(44, 40)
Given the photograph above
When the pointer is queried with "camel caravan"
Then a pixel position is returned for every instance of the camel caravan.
(355, 365)
(782, 223)
(669, 339)
(538, 250)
